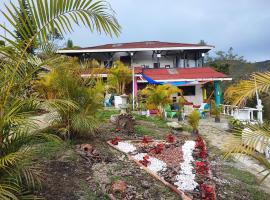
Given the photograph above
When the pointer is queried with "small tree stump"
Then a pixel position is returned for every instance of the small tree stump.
(125, 123)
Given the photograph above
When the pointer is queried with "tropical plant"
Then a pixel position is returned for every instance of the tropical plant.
(119, 76)
(159, 96)
(87, 94)
(252, 137)
(17, 71)
(193, 120)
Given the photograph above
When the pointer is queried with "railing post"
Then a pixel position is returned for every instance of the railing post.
(260, 114)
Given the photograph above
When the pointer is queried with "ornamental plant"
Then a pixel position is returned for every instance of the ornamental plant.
(116, 140)
(145, 161)
(170, 138)
(202, 168)
(158, 149)
(146, 139)
(208, 192)
(193, 120)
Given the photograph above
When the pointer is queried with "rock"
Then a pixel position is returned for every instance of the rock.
(174, 125)
(145, 184)
(119, 186)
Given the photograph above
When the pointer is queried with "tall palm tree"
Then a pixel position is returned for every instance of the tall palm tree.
(17, 71)
(253, 137)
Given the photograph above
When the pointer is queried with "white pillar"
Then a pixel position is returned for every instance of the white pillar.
(260, 114)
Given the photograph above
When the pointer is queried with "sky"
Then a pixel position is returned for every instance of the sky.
(241, 24)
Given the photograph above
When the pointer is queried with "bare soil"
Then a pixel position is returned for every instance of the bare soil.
(70, 177)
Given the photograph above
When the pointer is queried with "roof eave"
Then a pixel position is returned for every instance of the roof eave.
(66, 51)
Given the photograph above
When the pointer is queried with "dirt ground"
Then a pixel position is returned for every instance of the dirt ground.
(70, 177)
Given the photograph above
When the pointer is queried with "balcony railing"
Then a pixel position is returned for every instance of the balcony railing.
(245, 114)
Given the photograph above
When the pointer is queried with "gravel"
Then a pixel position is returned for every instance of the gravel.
(155, 165)
(186, 178)
(126, 147)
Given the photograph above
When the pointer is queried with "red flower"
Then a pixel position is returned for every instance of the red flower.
(158, 149)
(116, 140)
(202, 168)
(208, 192)
(146, 140)
(170, 138)
(145, 160)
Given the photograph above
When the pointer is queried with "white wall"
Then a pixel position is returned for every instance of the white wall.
(145, 58)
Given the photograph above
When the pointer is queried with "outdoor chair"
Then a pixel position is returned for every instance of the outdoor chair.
(204, 108)
(169, 112)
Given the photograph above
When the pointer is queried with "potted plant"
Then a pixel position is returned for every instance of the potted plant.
(215, 110)
(193, 120)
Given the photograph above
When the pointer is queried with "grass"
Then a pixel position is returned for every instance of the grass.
(142, 130)
(106, 113)
(243, 176)
(156, 120)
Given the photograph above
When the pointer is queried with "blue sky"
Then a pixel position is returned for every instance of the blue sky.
(241, 24)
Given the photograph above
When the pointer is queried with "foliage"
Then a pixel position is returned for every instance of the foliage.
(238, 93)
(87, 94)
(223, 61)
(119, 76)
(159, 96)
(235, 124)
(69, 44)
(18, 138)
(193, 119)
(25, 20)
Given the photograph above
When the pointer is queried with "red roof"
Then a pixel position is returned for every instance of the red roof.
(145, 44)
(181, 73)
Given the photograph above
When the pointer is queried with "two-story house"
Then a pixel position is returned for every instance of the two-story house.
(179, 64)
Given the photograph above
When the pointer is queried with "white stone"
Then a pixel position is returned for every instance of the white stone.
(186, 177)
(126, 147)
(155, 165)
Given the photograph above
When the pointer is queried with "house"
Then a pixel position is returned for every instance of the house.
(179, 64)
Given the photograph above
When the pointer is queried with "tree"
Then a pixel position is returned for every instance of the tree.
(119, 76)
(223, 61)
(16, 75)
(70, 44)
(25, 23)
(158, 96)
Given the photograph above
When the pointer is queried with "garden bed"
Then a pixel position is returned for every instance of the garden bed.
(178, 162)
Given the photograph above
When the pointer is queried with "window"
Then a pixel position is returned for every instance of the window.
(174, 99)
(188, 90)
(167, 66)
(156, 65)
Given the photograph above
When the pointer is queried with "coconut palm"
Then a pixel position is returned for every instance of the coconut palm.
(159, 96)
(18, 69)
(253, 137)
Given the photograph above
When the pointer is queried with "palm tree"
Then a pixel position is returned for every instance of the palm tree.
(248, 140)
(119, 76)
(159, 96)
(18, 69)
(87, 94)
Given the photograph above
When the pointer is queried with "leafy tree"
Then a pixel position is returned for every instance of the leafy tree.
(17, 67)
(119, 76)
(224, 61)
(70, 44)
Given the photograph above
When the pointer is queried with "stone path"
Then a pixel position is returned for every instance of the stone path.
(217, 135)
